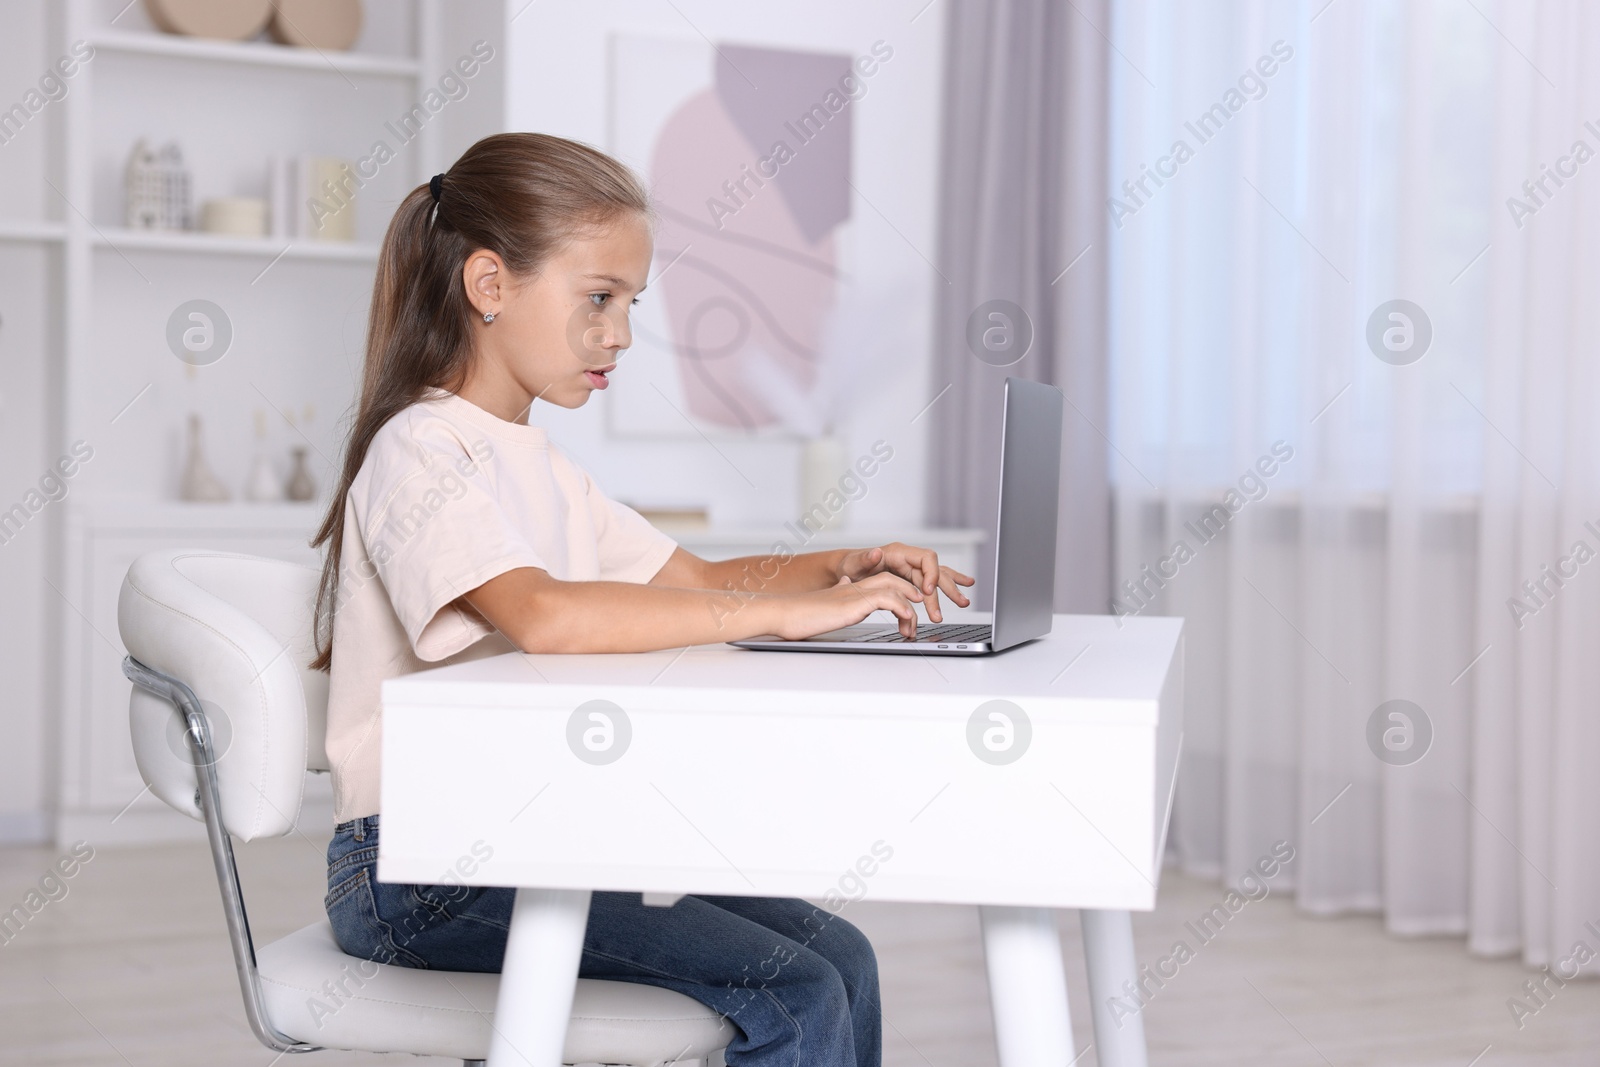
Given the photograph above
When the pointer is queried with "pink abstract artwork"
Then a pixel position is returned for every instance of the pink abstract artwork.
(750, 170)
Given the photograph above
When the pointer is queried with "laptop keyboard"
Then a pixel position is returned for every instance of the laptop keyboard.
(948, 633)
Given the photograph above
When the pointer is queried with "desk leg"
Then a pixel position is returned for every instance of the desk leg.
(1027, 987)
(539, 977)
(1108, 949)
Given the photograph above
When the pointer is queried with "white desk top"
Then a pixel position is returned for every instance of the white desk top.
(1088, 665)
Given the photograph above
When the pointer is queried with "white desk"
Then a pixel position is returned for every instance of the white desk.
(774, 774)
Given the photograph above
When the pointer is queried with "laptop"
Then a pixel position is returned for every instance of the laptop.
(1025, 547)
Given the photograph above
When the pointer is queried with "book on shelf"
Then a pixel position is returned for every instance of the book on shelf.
(311, 198)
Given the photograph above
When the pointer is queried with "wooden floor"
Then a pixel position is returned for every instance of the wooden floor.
(131, 968)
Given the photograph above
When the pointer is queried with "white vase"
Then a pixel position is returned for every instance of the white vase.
(263, 486)
(198, 482)
(822, 464)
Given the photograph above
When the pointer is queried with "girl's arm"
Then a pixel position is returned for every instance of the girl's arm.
(749, 575)
(538, 613)
(752, 574)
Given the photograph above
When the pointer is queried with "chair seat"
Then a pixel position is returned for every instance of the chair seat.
(448, 1013)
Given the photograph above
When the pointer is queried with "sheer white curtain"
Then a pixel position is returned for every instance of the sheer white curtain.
(1391, 481)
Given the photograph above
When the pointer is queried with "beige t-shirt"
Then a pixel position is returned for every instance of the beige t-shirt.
(448, 497)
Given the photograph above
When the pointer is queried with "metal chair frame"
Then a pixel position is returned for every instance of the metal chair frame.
(209, 799)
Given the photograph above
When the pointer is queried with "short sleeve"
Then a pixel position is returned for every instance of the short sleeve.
(434, 531)
(630, 549)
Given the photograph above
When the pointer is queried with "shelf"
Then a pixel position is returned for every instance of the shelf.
(132, 514)
(31, 230)
(254, 52)
(212, 244)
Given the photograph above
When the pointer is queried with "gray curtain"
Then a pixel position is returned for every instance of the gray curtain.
(1023, 193)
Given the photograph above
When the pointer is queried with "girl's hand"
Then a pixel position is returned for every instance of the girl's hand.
(919, 566)
(847, 603)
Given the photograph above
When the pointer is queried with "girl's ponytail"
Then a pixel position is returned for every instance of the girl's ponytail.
(519, 195)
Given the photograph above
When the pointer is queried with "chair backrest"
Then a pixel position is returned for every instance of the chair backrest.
(237, 630)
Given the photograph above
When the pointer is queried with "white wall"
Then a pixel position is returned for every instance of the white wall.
(558, 76)
(29, 333)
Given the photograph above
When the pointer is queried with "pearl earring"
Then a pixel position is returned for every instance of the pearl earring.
(488, 316)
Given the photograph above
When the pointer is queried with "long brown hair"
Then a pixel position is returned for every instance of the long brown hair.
(519, 195)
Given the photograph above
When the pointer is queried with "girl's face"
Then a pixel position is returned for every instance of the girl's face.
(557, 335)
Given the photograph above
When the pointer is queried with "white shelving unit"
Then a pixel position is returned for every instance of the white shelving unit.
(272, 55)
(195, 243)
(297, 308)
(31, 231)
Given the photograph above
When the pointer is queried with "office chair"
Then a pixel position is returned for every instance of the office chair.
(212, 630)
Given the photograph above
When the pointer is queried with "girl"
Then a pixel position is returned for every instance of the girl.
(460, 531)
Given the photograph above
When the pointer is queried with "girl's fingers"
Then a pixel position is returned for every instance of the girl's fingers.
(907, 615)
(894, 593)
(957, 576)
(889, 598)
(887, 580)
(911, 591)
(930, 582)
(863, 562)
(947, 581)
(920, 571)
(916, 575)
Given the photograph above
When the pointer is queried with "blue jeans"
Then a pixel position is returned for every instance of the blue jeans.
(798, 982)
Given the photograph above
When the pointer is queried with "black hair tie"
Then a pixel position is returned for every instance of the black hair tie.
(436, 186)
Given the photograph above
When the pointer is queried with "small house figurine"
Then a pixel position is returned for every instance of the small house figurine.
(157, 189)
